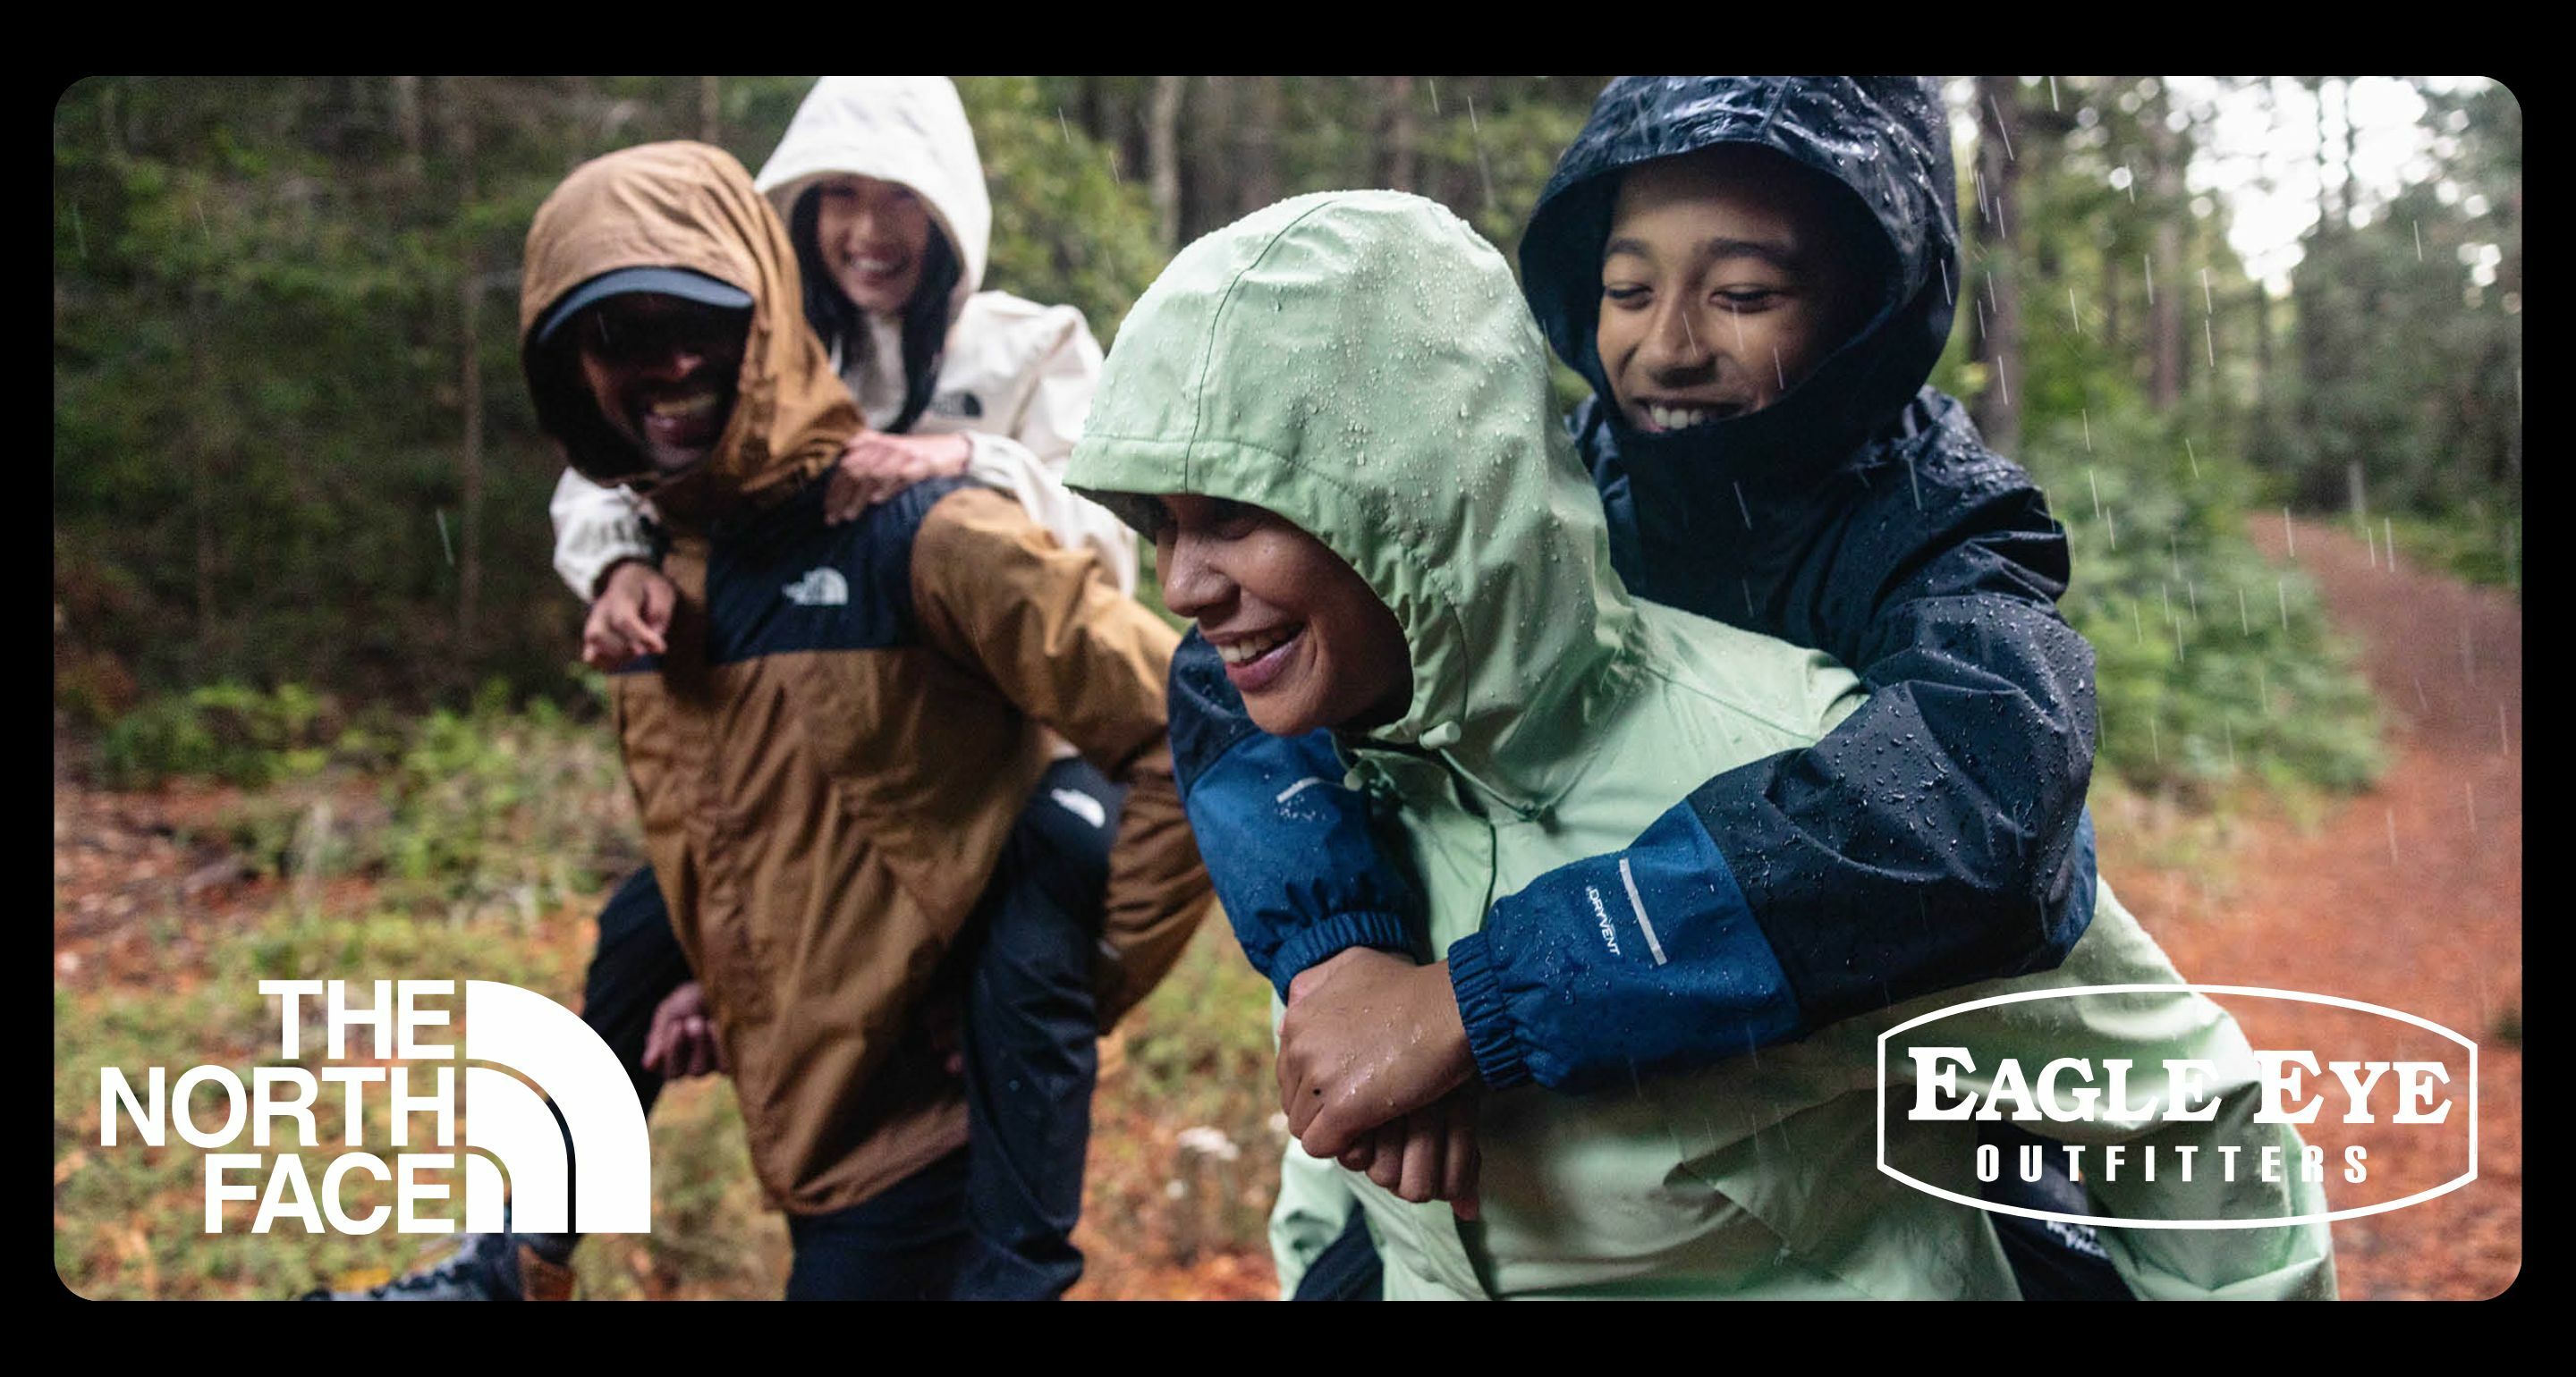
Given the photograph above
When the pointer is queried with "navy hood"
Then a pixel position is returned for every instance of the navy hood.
(1886, 140)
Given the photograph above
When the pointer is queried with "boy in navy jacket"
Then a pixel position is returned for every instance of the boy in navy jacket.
(1756, 276)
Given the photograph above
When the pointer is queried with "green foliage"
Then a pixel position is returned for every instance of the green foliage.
(515, 810)
(2473, 544)
(222, 731)
(1066, 228)
(2211, 664)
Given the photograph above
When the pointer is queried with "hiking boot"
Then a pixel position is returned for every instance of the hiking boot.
(481, 1267)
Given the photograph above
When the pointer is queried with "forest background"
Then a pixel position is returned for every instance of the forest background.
(303, 595)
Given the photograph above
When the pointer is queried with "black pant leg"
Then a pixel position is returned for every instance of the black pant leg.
(1347, 1270)
(1030, 1040)
(901, 1244)
(637, 965)
(2051, 1259)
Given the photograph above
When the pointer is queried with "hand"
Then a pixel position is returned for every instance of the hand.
(877, 466)
(1369, 1037)
(1428, 1155)
(630, 618)
(683, 1041)
(945, 1018)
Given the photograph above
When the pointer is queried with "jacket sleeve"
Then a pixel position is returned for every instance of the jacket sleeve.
(1290, 850)
(1028, 462)
(1935, 837)
(1047, 629)
(596, 527)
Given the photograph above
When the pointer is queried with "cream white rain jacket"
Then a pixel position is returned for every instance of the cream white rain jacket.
(1015, 378)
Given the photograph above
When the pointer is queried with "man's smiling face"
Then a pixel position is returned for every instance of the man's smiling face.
(1723, 283)
(663, 372)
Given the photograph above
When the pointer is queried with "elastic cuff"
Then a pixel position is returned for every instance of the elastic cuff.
(1312, 946)
(1490, 1038)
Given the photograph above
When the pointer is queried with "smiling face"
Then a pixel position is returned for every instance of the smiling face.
(1305, 640)
(1725, 280)
(872, 236)
(663, 372)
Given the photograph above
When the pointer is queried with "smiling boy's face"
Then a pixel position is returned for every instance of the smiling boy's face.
(1726, 279)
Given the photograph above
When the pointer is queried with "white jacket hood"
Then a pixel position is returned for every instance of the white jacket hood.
(910, 130)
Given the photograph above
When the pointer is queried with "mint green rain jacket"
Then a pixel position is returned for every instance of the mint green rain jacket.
(1362, 364)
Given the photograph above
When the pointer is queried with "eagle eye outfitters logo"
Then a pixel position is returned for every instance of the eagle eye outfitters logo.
(511, 1144)
(2383, 1105)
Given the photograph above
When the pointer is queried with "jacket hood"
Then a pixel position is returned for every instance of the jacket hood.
(1886, 140)
(685, 205)
(910, 130)
(1361, 364)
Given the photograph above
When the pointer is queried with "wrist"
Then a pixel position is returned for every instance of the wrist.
(1493, 1045)
(1448, 1025)
(608, 574)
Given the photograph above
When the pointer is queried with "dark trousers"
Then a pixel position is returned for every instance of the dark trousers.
(994, 1221)
(2050, 1259)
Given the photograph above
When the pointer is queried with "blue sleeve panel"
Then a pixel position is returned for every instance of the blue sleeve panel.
(1651, 959)
(1289, 847)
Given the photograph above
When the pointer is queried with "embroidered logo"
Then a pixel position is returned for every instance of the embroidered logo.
(1081, 805)
(820, 588)
(965, 404)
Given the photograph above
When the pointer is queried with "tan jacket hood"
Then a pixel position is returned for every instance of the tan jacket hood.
(907, 130)
(686, 205)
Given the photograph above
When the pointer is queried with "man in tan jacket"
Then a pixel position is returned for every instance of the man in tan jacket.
(832, 754)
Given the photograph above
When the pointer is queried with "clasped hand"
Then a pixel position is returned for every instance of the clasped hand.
(1374, 1071)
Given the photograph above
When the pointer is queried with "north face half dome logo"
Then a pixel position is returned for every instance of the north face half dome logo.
(820, 588)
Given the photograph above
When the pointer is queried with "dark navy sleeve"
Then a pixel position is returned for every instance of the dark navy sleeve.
(1290, 850)
(1935, 838)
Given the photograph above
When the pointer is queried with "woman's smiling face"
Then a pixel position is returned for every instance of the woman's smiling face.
(873, 237)
(1305, 640)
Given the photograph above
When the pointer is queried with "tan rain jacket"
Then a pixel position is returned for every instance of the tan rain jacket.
(834, 751)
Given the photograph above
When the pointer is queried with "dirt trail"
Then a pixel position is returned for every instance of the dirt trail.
(2409, 896)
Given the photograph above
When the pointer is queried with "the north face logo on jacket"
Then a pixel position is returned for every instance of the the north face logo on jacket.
(959, 403)
(820, 588)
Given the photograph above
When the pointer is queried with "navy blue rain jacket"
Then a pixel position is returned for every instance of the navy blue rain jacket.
(1937, 837)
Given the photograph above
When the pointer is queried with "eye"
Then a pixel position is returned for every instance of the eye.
(1229, 520)
(1749, 300)
(1624, 294)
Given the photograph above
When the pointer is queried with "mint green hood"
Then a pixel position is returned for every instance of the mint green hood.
(1363, 365)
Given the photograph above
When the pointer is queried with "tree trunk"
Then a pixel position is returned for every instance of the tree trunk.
(1208, 190)
(1997, 410)
(2111, 306)
(2164, 318)
(1256, 145)
(469, 536)
(407, 124)
(201, 475)
(1399, 138)
(2262, 340)
(1163, 157)
(1094, 112)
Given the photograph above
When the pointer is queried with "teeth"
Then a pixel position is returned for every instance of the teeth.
(1245, 652)
(875, 265)
(1678, 417)
(697, 405)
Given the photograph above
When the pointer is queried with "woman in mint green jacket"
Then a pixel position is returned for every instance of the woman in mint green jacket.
(1335, 418)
